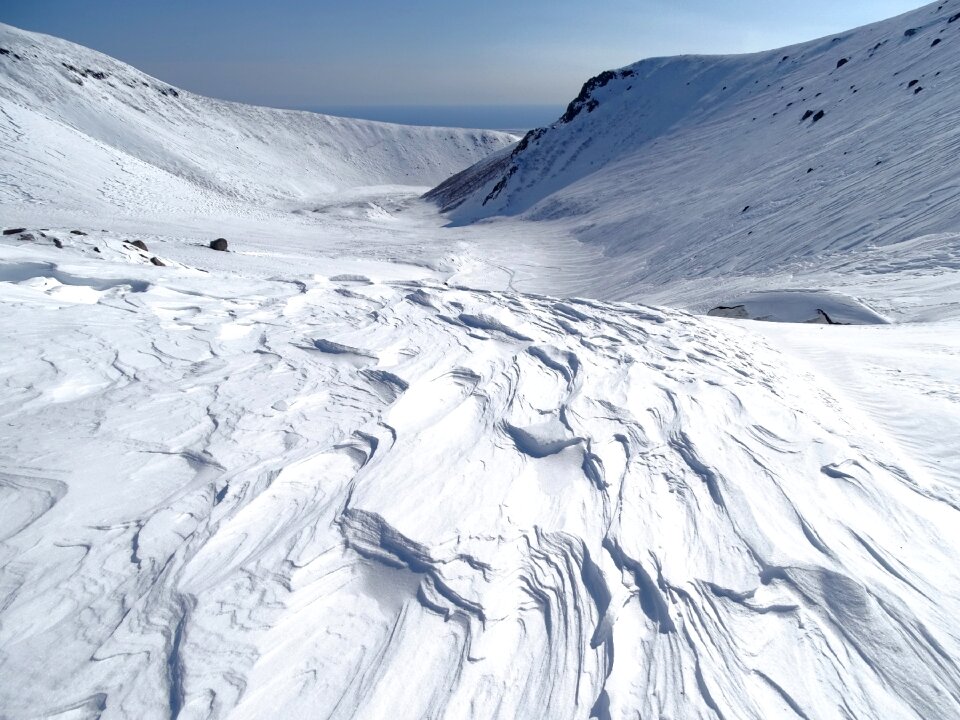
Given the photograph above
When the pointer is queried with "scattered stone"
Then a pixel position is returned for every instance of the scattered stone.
(158, 262)
(57, 243)
(912, 83)
(809, 170)
(96, 249)
(911, 32)
(936, 42)
(745, 209)
(919, 88)
(139, 244)
(841, 62)
(27, 237)
(807, 115)
(77, 232)
(14, 231)
(219, 244)
(819, 116)
(954, 18)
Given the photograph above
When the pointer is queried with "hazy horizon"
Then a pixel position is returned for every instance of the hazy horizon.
(517, 118)
(301, 54)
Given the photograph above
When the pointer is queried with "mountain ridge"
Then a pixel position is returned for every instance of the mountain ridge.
(789, 153)
(104, 115)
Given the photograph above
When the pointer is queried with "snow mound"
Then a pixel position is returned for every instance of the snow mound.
(800, 306)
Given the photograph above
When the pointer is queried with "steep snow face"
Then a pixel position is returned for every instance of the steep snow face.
(77, 127)
(339, 498)
(695, 166)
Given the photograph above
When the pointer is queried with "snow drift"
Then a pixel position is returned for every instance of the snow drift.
(352, 499)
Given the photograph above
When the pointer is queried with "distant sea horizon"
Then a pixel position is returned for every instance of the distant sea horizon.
(515, 118)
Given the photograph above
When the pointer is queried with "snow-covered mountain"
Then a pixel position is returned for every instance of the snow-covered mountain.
(77, 126)
(691, 166)
(349, 469)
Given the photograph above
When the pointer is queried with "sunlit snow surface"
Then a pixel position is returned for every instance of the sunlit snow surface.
(367, 466)
(270, 499)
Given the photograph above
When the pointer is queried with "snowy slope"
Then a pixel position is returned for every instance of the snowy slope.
(365, 465)
(691, 166)
(78, 126)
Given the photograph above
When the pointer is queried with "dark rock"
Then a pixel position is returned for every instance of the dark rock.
(809, 170)
(531, 136)
(27, 237)
(96, 249)
(819, 116)
(139, 244)
(954, 18)
(807, 115)
(936, 42)
(912, 83)
(77, 232)
(842, 61)
(911, 32)
(14, 231)
(4, 51)
(599, 81)
(158, 262)
(219, 244)
(919, 88)
(57, 243)
(745, 209)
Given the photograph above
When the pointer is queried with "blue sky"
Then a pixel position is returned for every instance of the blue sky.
(300, 53)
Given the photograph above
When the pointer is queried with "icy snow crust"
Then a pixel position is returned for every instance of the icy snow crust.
(363, 465)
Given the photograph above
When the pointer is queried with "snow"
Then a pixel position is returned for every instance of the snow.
(372, 463)
(799, 306)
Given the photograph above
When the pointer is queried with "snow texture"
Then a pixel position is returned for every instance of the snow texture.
(366, 464)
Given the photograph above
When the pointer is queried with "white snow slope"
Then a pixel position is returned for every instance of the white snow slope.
(706, 166)
(367, 466)
(76, 125)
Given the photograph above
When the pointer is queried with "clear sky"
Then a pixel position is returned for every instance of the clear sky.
(317, 53)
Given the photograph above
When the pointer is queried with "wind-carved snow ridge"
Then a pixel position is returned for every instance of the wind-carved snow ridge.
(410, 500)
